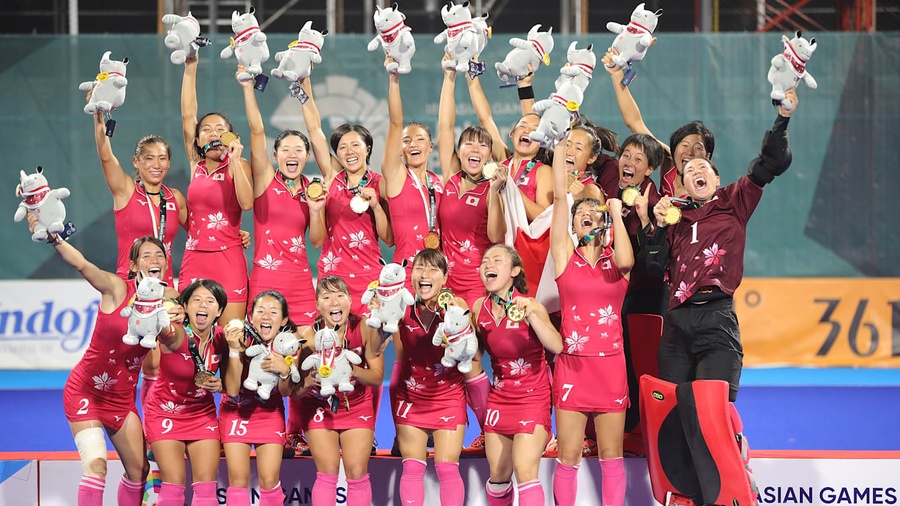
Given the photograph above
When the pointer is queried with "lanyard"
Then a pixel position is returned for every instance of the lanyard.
(358, 188)
(200, 363)
(431, 205)
(159, 230)
(254, 335)
(471, 179)
(528, 168)
(504, 303)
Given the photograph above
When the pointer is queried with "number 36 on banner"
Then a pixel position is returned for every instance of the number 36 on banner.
(842, 322)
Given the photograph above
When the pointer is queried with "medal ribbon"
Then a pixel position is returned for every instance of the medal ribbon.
(358, 188)
(685, 204)
(254, 335)
(472, 179)
(431, 205)
(504, 303)
(159, 229)
(528, 168)
(199, 363)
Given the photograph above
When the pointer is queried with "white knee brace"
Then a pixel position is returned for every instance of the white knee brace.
(91, 447)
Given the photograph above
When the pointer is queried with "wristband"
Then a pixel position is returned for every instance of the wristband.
(234, 354)
(284, 377)
(56, 240)
(526, 93)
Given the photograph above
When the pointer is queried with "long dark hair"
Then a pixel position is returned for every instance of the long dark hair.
(519, 279)
(290, 326)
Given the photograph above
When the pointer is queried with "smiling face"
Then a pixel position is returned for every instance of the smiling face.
(587, 216)
(474, 151)
(211, 128)
(700, 179)
(497, 270)
(427, 279)
(333, 303)
(689, 148)
(633, 166)
(352, 151)
(149, 260)
(268, 317)
(291, 156)
(416, 145)
(202, 310)
(152, 163)
(522, 144)
(579, 151)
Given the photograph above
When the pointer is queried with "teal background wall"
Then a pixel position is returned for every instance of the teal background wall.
(829, 215)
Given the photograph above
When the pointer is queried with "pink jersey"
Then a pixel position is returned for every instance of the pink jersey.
(280, 262)
(427, 395)
(351, 248)
(176, 408)
(707, 245)
(360, 398)
(464, 218)
(214, 214)
(667, 182)
(525, 176)
(107, 373)
(141, 217)
(410, 211)
(591, 300)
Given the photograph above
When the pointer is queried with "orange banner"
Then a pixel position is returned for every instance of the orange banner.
(841, 322)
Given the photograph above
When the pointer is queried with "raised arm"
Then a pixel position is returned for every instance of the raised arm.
(526, 92)
(120, 184)
(240, 172)
(623, 254)
(260, 167)
(392, 162)
(482, 107)
(561, 246)
(328, 165)
(446, 123)
(496, 223)
(189, 109)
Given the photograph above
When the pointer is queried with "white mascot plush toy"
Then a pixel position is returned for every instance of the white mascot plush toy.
(635, 38)
(146, 314)
(534, 51)
(45, 203)
(332, 363)
(465, 37)
(457, 334)
(108, 87)
(295, 63)
(183, 37)
(789, 67)
(579, 67)
(263, 382)
(393, 296)
(557, 113)
(395, 37)
(248, 45)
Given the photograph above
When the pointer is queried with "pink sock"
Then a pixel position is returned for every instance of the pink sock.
(477, 390)
(237, 496)
(170, 494)
(146, 383)
(359, 491)
(90, 491)
(499, 494)
(565, 484)
(130, 493)
(271, 497)
(453, 491)
(323, 491)
(412, 482)
(531, 493)
(204, 494)
(612, 487)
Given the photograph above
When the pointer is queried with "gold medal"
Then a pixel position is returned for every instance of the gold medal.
(235, 323)
(571, 177)
(629, 194)
(444, 298)
(489, 170)
(202, 377)
(168, 304)
(324, 371)
(432, 241)
(289, 360)
(673, 215)
(373, 285)
(358, 204)
(102, 76)
(315, 189)
(227, 138)
(515, 313)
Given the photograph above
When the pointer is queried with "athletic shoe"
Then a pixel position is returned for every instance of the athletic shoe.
(589, 448)
(476, 448)
(296, 444)
(374, 446)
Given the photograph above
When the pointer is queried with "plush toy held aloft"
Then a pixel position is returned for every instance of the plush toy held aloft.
(248, 45)
(579, 67)
(393, 296)
(332, 363)
(395, 37)
(108, 87)
(295, 63)
(789, 67)
(557, 113)
(146, 314)
(465, 37)
(457, 334)
(183, 37)
(285, 344)
(635, 38)
(45, 203)
(534, 51)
